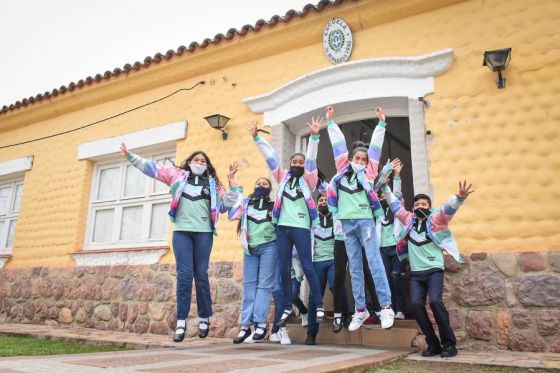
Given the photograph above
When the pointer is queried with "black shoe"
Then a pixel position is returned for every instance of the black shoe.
(203, 333)
(259, 333)
(310, 339)
(337, 325)
(431, 351)
(242, 336)
(178, 337)
(448, 351)
(346, 320)
(284, 318)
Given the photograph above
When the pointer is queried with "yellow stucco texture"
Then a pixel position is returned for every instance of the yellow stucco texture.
(504, 141)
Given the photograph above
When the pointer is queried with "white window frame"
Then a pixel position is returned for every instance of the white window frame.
(12, 214)
(148, 200)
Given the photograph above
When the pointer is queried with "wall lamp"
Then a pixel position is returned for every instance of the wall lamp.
(218, 121)
(497, 61)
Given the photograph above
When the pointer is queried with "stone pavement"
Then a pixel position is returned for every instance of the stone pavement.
(543, 360)
(212, 355)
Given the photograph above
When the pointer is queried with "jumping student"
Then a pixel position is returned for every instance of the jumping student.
(353, 200)
(294, 213)
(428, 235)
(197, 194)
(258, 240)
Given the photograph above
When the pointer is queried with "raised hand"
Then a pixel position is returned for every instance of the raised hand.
(124, 150)
(329, 112)
(397, 166)
(380, 114)
(315, 125)
(253, 129)
(233, 168)
(464, 190)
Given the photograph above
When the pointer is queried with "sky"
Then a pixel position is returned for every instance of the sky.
(47, 44)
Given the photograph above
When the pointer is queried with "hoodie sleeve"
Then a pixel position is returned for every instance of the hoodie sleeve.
(374, 150)
(396, 207)
(271, 157)
(165, 174)
(310, 167)
(447, 211)
(338, 142)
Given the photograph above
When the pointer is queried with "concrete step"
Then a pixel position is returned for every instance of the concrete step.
(400, 336)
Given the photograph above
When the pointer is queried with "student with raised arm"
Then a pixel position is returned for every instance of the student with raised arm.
(428, 235)
(294, 213)
(257, 235)
(197, 194)
(352, 199)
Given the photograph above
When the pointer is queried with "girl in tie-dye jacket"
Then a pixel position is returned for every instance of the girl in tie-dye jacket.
(294, 212)
(197, 199)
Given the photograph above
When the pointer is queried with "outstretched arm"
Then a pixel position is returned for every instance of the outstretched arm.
(448, 210)
(165, 174)
(376, 145)
(396, 206)
(338, 142)
(310, 166)
(232, 200)
(269, 154)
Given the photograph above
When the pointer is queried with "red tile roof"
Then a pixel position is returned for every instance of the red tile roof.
(158, 57)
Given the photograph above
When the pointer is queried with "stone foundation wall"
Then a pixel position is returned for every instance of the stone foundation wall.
(138, 299)
(495, 301)
(504, 301)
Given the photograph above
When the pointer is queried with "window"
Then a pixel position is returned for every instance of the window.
(10, 200)
(128, 208)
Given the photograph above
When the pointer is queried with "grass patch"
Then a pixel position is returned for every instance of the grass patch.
(411, 366)
(30, 346)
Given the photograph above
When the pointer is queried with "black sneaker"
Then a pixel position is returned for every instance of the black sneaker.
(431, 351)
(337, 325)
(243, 335)
(448, 351)
(203, 333)
(310, 339)
(284, 318)
(178, 337)
(259, 333)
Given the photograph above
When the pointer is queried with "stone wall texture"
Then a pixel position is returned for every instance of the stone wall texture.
(495, 301)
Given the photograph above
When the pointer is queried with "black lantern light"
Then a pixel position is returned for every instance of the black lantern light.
(218, 121)
(497, 61)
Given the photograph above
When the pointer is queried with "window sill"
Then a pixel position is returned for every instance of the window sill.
(4, 259)
(120, 256)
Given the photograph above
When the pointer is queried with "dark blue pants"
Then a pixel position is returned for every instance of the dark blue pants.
(430, 283)
(278, 300)
(192, 256)
(296, 301)
(325, 272)
(286, 239)
(394, 269)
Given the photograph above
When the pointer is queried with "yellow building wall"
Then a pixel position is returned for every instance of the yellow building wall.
(504, 141)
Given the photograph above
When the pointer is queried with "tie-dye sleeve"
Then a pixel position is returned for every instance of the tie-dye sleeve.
(374, 150)
(447, 211)
(271, 157)
(396, 206)
(311, 175)
(338, 142)
(165, 174)
(383, 178)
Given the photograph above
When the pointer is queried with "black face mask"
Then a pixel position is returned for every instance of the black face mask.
(297, 171)
(422, 213)
(324, 209)
(384, 204)
(261, 191)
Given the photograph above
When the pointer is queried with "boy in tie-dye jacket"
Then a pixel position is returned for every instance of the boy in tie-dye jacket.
(294, 212)
(427, 234)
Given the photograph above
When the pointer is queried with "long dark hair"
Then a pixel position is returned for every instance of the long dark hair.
(359, 146)
(210, 170)
(252, 195)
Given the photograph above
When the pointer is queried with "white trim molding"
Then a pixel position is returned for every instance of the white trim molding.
(17, 165)
(141, 256)
(134, 140)
(410, 77)
(4, 259)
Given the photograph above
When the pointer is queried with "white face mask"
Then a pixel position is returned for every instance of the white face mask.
(197, 169)
(357, 167)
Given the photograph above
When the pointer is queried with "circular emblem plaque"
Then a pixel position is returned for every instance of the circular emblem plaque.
(337, 40)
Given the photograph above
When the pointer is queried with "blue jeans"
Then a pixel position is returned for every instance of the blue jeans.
(325, 272)
(286, 238)
(258, 280)
(278, 299)
(192, 255)
(361, 233)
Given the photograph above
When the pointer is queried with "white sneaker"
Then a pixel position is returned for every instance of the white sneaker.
(275, 337)
(250, 339)
(357, 320)
(399, 315)
(284, 337)
(387, 318)
(304, 319)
